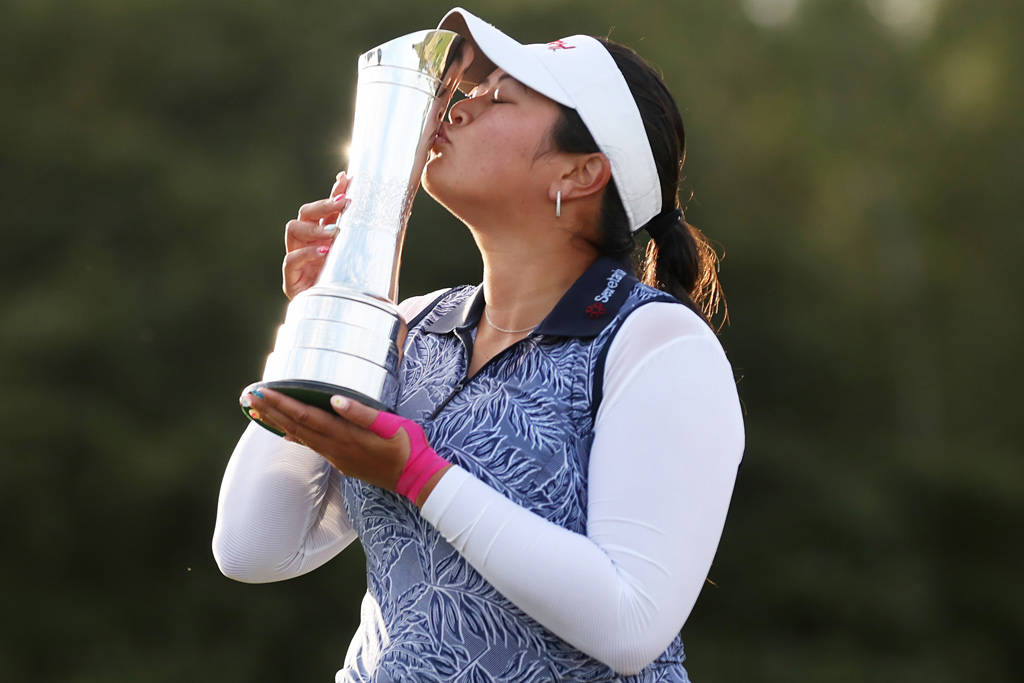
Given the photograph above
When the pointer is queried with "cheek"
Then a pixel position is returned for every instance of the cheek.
(507, 154)
(496, 160)
(500, 157)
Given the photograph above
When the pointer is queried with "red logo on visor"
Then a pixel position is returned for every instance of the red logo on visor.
(595, 310)
(560, 45)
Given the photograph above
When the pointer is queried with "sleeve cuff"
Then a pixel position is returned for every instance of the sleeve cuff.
(445, 491)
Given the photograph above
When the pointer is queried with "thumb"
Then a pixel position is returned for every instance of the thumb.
(353, 411)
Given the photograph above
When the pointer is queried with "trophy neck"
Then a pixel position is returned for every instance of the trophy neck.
(404, 87)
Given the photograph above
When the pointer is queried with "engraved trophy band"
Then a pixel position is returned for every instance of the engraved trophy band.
(342, 336)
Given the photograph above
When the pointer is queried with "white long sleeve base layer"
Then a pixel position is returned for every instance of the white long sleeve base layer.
(668, 440)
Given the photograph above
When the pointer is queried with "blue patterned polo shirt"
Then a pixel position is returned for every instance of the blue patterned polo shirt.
(523, 424)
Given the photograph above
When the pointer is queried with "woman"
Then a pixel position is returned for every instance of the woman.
(546, 502)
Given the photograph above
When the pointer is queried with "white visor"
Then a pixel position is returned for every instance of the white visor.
(579, 73)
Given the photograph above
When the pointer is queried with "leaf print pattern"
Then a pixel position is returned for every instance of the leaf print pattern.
(523, 425)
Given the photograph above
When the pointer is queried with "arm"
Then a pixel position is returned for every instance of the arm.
(280, 512)
(668, 440)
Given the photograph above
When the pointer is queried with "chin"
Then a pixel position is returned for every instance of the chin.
(446, 194)
(432, 184)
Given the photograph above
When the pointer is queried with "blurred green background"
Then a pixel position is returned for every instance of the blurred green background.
(859, 161)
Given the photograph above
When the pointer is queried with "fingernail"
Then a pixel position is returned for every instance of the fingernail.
(339, 402)
(322, 250)
(257, 392)
(339, 197)
(245, 401)
(329, 228)
(254, 415)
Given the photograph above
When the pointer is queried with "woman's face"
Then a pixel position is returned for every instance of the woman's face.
(491, 156)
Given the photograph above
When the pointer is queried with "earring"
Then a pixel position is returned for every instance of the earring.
(558, 204)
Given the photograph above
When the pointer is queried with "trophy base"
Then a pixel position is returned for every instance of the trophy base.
(316, 394)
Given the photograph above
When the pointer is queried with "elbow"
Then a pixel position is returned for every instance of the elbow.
(237, 564)
(624, 666)
(630, 658)
(239, 571)
(635, 643)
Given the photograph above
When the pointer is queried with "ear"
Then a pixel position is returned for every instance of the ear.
(585, 176)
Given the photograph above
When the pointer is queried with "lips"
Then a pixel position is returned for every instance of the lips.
(440, 138)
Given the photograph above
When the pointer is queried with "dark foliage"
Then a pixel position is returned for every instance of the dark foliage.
(861, 170)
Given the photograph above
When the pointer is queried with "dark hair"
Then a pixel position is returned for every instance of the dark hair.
(680, 260)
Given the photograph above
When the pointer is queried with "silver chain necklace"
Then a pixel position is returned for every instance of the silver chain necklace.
(502, 329)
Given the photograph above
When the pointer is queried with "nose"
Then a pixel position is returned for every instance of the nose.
(460, 113)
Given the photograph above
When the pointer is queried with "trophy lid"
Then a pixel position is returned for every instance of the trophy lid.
(430, 53)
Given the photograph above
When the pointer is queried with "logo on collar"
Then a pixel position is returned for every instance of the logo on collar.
(595, 310)
(560, 45)
(613, 283)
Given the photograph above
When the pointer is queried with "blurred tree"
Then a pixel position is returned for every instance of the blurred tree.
(857, 159)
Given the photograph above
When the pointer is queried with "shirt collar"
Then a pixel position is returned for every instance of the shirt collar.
(466, 314)
(583, 311)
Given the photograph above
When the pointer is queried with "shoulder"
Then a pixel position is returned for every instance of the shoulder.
(431, 306)
(664, 336)
(666, 359)
(650, 318)
(657, 322)
(414, 305)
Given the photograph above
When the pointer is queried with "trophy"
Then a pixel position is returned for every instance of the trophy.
(343, 335)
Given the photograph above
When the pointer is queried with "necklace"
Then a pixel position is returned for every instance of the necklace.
(502, 329)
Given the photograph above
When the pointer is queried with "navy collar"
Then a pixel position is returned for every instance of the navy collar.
(586, 309)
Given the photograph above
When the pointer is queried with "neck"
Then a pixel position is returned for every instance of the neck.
(526, 272)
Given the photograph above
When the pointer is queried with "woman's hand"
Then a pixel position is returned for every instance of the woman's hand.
(382, 449)
(343, 439)
(308, 238)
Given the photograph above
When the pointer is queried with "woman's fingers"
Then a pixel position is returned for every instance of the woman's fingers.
(353, 411)
(316, 221)
(301, 268)
(347, 446)
(305, 423)
(323, 208)
(299, 234)
(341, 184)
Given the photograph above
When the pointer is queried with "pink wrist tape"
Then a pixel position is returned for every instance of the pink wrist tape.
(423, 462)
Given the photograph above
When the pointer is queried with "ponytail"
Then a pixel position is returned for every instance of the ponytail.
(680, 260)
